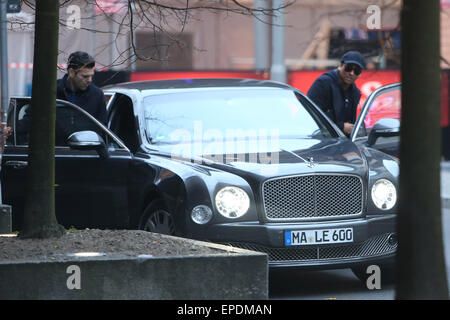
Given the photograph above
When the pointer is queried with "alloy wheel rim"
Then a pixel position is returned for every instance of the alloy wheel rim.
(160, 222)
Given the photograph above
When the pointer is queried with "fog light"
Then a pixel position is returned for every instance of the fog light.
(201, 214)
(392, 240)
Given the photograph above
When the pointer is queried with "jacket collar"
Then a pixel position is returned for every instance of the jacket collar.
(66, 86)
(334, 74)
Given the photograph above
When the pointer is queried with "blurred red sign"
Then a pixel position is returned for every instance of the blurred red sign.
(368, 82)
(110, 6)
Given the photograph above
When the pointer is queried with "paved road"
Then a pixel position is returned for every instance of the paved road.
(337, 284)
(445, 184)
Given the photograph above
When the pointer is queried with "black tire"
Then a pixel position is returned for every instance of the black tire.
(156, 218)
(387, 274)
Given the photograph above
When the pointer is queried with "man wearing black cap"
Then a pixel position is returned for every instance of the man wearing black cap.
(335, 92)
(77, 87)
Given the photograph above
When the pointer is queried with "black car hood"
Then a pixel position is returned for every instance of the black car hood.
(284, 157)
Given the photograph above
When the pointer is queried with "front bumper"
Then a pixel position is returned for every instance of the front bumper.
(374, 242)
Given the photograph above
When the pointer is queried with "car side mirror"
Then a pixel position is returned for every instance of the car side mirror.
(386, 127)
(88, 140)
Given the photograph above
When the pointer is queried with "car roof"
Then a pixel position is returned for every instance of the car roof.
(196, 83)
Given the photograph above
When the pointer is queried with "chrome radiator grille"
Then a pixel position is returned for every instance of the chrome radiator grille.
(312, 196)
(377, 245)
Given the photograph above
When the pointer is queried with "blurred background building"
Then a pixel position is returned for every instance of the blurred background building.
(132, 41)
(316, 34)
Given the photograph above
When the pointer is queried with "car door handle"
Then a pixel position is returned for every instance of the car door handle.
(16, 164)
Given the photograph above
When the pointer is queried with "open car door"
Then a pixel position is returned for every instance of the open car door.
(378, 123)
(90, 181)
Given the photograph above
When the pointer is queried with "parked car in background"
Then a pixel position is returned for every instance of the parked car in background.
(254, 164)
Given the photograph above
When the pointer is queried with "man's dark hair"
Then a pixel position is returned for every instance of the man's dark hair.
(79, 60)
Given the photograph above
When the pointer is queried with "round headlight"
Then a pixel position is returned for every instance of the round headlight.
(201, 214)
(232, 202)
(384, 194)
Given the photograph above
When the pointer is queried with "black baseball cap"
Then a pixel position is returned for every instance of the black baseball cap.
(354, 57)
(79, 59)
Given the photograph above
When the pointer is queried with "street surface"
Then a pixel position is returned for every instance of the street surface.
(337, 284)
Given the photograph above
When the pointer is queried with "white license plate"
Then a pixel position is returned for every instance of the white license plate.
(321, 236)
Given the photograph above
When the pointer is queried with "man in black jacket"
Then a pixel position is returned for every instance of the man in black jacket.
(77, 87)
(335, 91)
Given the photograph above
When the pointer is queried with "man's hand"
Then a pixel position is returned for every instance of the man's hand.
(348, 127)
(7, 131)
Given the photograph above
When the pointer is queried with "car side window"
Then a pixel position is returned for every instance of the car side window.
(123, 123)
(386, 105)
(325, 129)
(68, 120)
(22, 123)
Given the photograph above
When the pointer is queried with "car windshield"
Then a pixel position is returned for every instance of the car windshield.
(230, 114)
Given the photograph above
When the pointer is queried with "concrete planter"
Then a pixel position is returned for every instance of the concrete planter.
(230, 274)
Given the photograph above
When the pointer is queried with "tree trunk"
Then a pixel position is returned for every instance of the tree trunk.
(421, 270)
(39, 216)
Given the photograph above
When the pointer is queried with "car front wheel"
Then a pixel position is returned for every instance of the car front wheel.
(157, 219)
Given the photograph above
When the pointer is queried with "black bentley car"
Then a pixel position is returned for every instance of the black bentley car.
(254, 164)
